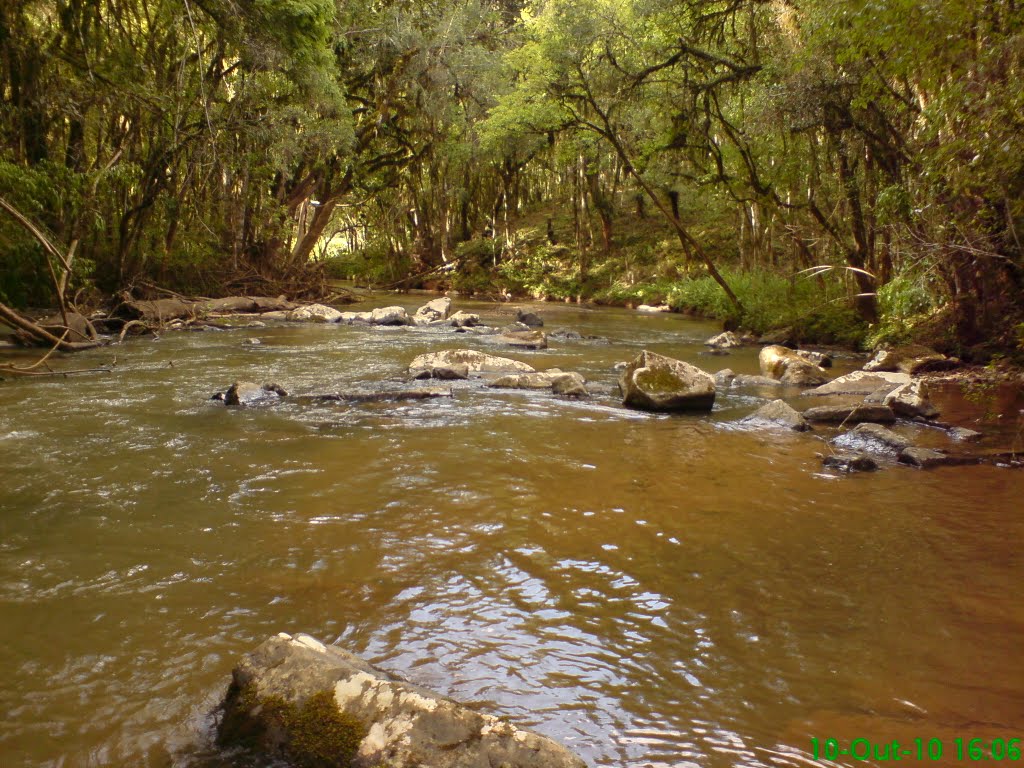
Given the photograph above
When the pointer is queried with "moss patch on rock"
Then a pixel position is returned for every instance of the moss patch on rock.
(310, 734)
(659, 379)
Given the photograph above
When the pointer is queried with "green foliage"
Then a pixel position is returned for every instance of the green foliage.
(541, 271)
(817, 313)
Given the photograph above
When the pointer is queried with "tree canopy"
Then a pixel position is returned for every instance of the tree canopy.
(868, 153)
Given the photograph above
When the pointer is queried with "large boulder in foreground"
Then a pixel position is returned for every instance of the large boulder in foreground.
(653, 382)
(790, 367)
(477, 362)
(294, 698)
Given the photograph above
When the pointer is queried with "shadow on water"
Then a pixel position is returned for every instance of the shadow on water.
(652, 591)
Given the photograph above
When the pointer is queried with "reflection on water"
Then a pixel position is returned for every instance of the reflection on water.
(653, 591)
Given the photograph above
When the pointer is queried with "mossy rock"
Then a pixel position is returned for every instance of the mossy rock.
(313, 733)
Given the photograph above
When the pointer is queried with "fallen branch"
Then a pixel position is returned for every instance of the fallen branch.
(42, 335)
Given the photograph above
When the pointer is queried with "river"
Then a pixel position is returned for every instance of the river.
(652, 591)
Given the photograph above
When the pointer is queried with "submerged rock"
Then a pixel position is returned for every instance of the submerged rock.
(850, 463)
(746, 380)
(567, 334)
(852, 414)
(790, 367)
(249, 393)
(653, 382)
(314, 313)
(474, 360)
(964, 434)
(316, 705)
(874, 438)
(779, 413)
(559, 382)
(378, 396)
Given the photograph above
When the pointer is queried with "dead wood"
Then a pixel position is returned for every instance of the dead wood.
(35, 333)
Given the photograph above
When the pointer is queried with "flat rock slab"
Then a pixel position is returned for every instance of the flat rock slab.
(852, 414)
(476, 361)
(860, 383)
(926, 458)
(873, 438)
(382, 719)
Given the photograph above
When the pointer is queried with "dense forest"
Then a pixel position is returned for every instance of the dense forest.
(853, 168)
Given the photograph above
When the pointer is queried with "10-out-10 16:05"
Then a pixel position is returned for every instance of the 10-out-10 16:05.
(919, 749)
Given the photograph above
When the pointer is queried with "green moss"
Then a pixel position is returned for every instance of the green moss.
(658, 380)
(312, 734)
(321, 735)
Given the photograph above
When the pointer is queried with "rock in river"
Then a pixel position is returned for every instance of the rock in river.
(448, 372)
(779, 413)
(310, 704)
(249, 393)
(860, 383)
(855, 462)
(432, 311)
(523, 339)
(912, 401)
(873, 438)
(389, 316)
(725, 340)
(464, 320)
(653, 382)
(910, 358)
(314, 313)
(559, 382)
(529, 319)
(790, 367)
(476, 361)
(852, 414)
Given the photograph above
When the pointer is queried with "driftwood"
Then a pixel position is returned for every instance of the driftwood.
(31, 331)
(160, 311)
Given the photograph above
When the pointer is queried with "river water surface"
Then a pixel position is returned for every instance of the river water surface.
(652, 591)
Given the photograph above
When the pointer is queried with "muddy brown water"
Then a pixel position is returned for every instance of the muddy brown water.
(653, 591)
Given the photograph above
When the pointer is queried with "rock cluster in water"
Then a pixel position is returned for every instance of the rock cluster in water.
(885, 392)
